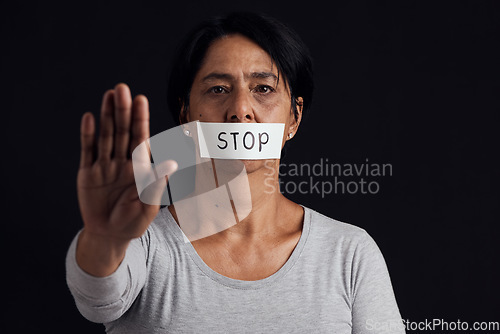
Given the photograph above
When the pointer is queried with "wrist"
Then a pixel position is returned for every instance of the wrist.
(99, 255)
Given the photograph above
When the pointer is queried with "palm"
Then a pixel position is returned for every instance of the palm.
(107, 194)
(109, 200)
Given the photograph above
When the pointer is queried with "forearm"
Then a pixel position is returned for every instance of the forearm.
(104, 299)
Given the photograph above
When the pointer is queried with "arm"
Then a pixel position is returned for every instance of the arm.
(105, 265)
(104, 299)
(374, 307)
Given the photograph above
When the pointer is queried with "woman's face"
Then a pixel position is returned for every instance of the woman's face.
(238, 82)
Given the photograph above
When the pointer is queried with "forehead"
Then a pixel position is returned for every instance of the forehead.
(236, 54)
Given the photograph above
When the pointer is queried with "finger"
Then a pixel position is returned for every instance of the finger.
(87, 139)
(105, 143)
(123, 111)
(140, 121)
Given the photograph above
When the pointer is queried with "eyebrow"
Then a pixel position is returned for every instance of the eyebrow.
(264, 75)
(215, 75)
(227, 76)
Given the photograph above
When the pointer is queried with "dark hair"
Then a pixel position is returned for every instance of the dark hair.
(286, 49)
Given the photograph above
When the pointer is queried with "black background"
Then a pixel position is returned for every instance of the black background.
(411, 83)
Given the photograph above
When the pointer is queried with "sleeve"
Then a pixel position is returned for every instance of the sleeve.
(105, 299)
(374, 307)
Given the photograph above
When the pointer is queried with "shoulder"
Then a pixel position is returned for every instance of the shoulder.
(158, 239)
(330, 234)
(161, 226)
(321, 224)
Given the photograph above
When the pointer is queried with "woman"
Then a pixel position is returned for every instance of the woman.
(283, 268)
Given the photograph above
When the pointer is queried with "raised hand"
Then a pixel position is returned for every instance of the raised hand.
(109, 203)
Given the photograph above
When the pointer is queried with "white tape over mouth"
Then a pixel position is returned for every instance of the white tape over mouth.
(252, 141)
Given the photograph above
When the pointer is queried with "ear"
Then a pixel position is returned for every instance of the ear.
(296, 118)
(184, 113)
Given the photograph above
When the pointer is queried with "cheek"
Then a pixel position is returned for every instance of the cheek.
(206, 116)
(275, 110)
(205, 111)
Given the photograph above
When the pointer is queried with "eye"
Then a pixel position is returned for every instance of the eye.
(218, 90)
(264, 89)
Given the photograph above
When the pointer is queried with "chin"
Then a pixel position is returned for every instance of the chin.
(236, 166)
(253, 165)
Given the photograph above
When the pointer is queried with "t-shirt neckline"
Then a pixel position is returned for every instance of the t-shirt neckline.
(231, 282)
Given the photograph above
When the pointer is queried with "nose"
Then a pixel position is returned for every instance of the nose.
(240, 109)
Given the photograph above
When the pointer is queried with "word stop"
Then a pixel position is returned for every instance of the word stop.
(240, 140)
(247, 140)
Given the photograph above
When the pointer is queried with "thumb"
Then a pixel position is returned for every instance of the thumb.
(166, 168)
(151, 181)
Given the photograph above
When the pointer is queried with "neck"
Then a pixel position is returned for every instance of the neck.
(266, 200)
(255, 203)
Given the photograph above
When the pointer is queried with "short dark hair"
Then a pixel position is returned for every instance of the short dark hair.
(288, 52)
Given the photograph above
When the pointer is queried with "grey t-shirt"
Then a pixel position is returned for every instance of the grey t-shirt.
(335, 281)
